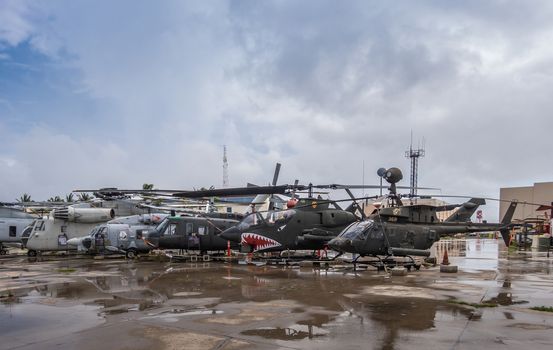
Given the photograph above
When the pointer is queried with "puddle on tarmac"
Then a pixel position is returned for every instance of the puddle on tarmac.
(282, 304)
(35, 322)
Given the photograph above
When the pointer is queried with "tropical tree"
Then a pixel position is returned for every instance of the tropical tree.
(83, 197)
(24, 198)
(55, 199)
(147, 187)
(69, 198)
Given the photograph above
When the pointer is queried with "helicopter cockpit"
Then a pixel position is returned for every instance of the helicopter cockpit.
(360, 230)
(270, 218)
(162, 226)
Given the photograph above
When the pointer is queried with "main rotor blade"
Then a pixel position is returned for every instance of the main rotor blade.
(486, 198)
(353, 187)
(363, 216)
(237, 191)
(116, 190)
(275, 176)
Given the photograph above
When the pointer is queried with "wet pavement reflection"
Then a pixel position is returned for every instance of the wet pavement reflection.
(70, 303)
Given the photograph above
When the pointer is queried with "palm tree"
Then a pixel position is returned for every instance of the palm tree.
(147, 187)
(55, 199)
(83, 197)
(69, 197)
(24, 198)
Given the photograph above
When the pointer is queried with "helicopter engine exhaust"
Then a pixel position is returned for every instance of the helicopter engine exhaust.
(84, 215)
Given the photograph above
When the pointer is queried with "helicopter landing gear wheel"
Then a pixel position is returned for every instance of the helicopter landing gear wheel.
(3, 252)
(131, 254)
(31, 253)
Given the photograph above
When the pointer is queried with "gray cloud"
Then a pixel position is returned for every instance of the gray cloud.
(320, 86)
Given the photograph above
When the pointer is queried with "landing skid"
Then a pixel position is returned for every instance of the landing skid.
(389, 262)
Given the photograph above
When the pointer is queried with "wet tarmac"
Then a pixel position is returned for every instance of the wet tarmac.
(76, 303)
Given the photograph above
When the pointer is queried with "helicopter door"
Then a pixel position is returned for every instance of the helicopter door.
(205, 237)
(190, 236)
(375, 240)
(169, 238)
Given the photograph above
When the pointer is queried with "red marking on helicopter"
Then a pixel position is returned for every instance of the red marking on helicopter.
(259, 242)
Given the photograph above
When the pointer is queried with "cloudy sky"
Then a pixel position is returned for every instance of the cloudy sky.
(118, 93)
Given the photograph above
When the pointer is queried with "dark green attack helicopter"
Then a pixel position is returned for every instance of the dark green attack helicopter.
(410, 230)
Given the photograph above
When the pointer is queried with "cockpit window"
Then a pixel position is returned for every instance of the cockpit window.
(39, 226)
(250, 220)
(272, 217)
(93, 232)
(27, 231)
(279, 217)
(161, 227)
(358, 230)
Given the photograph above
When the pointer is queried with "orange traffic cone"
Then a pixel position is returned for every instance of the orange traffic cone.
(445, 260)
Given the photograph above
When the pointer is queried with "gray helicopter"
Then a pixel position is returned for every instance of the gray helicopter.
(122, 235)
(14, 223)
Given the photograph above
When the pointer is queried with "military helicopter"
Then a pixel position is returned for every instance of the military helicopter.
(52, 232)
(188, 232)
(14, 223)
(122, 235)
(408, 230)
(307, 224)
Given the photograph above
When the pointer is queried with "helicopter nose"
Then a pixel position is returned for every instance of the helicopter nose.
(74, 242)
(232, 234)
(341, 244)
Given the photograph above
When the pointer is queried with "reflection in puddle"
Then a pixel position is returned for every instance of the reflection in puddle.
(296, 332)
(310, 329)
(174, 314)
(504, 299)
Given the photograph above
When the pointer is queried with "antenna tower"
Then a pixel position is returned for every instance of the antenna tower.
(414, 154)
(225, 167)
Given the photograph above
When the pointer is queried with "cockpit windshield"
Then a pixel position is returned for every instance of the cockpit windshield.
(250, 220)
(93, 232)
(279, 217)
(271, 217)
(39, 225)
(162, 225)
(358, 230)
(27, 231)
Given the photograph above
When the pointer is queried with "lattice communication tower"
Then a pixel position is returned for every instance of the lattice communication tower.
(225, 167)
(414, 154)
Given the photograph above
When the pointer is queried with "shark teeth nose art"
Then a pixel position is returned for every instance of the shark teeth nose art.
(259, 242)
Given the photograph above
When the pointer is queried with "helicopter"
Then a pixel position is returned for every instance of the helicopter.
(308, 223)
(189, 232)
(408, 230)
(14, 223)
(121, 235)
